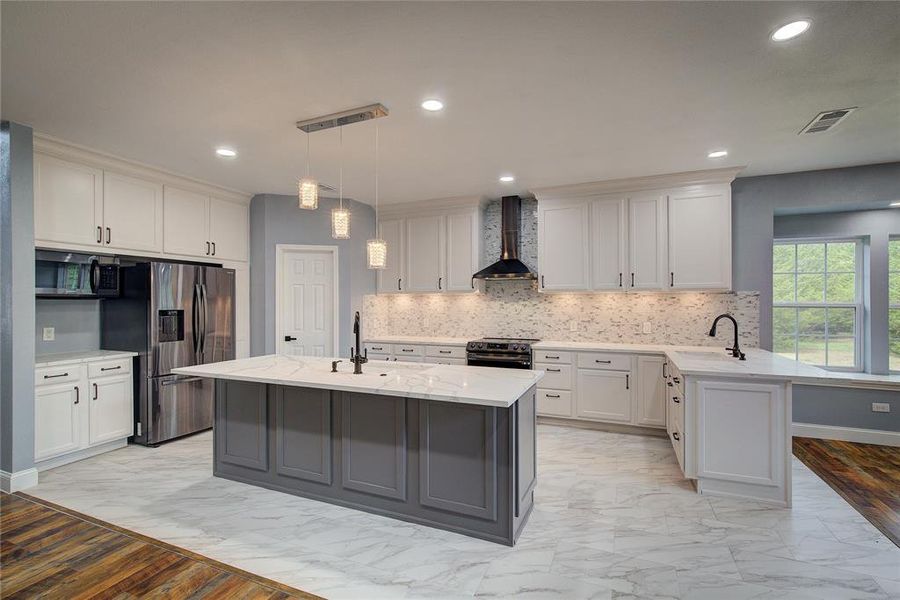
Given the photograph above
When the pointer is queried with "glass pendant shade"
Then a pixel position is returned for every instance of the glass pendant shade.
(308, 193)
(376, 253)
(340, 223)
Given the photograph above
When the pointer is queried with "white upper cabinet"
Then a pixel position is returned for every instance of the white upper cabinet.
(229, 227)
(425, 245)
(186, 222)
(608, 260)
(700, 238)
(132, 213)
(564, 246)
(462, 246)
(68, 202)
(391, 278)
(647, 241)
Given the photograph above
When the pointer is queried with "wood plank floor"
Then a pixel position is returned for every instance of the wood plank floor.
(47, 551)
(866, 475)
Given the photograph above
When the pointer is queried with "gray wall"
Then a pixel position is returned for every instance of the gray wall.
(755, 203)
(276, 219)
(77, 325)
(16, 298)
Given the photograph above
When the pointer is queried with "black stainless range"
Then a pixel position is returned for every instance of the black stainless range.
(507, 353)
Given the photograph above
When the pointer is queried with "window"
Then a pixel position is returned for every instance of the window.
(894, 302)
(817, 312)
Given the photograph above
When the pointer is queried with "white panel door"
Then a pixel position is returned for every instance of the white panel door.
(68, 201)
(647, 242)
(425, 253)
(307, 304)
(132, 213)
(564, 246)
(462, 251)
(229, 229)
(391, 278)
(608, 244)
(603, 395)
(111, 409)
(186, 222)
(700, 238)
(57, 424)
(651, 391)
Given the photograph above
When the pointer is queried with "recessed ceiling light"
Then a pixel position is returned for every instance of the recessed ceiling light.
(790, 31)
(718, 154)
(507, 178)
(226, 152)
(895, 203)
(433, 105)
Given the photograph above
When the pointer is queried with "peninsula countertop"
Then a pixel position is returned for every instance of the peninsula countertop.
(484, 386)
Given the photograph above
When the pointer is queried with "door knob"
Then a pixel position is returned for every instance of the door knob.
(289, 338)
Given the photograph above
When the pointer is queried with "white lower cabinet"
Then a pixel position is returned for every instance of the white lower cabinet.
(57, 411)
(93, 407)
(651, 391)
(436, 355)
(603, 395)
(554, 403)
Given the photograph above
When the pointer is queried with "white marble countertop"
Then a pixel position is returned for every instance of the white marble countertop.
(85, 356)
(485, 386)
(425, 341)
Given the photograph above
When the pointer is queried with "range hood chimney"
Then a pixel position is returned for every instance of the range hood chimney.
(509, 266)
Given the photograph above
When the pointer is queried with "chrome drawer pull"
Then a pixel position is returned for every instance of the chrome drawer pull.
(57, 375)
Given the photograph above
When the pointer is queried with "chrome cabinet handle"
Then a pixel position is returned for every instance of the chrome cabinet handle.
(77, 395)
(676, 436)
(95, 391)
(55, 376)
(108, 235)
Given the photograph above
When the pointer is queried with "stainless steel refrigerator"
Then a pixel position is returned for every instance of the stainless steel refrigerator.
(173, 315)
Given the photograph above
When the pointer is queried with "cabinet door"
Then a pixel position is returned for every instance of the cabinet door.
(700, 238)
(564, 246)
(608, 244)
(132, 213)
(229, 229)
(111, 409)
(462, 251)
(647, 242)
(391, 278)
(57, 427)
(651, 391)
(425, 247)
(186, 219)
(604, 395)
(68, 201)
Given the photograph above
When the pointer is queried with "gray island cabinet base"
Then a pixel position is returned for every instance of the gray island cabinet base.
(465, 468)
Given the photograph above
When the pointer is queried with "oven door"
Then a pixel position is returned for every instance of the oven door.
(504, 361)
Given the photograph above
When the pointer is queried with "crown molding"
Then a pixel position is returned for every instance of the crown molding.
(49, 145)
(434, 205)
(636, 184)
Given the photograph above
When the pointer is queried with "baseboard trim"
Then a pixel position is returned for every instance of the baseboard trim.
(847, 434)
(64, 459)
(601, 426)
(20, 480)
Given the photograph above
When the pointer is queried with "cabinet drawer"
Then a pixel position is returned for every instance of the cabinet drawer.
(556, 403)
(604, 360)
(557, 377)
(54, 375)
(108, 368)
(552, 356)
(377, 348)
(402, 350)
(446, 361)
(446, 351)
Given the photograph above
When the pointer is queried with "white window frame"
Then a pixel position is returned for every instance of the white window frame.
(891, 239)
(859, 305)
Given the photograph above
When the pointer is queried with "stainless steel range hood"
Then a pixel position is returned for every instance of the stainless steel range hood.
(509, 266)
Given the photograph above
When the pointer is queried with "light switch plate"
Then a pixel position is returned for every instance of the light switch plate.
(49, 334)
(881, 407)
(573, 325)
(647, 327)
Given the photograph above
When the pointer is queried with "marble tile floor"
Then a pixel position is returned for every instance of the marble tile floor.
(613, 519)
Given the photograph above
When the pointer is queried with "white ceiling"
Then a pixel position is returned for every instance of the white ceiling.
(553, 93)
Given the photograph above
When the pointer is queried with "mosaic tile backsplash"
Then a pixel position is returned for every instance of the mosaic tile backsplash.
(517, 309)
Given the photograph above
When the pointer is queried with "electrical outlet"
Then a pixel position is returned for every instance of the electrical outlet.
(49, 334)
(573, 325)
(881, 407)
(647, 327)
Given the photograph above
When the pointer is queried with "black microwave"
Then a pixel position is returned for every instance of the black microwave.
(74, 275)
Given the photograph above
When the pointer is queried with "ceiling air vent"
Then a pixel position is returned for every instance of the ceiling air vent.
(826, 120)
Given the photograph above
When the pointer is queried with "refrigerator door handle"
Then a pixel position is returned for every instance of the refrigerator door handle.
(204, 302)
(195, 318)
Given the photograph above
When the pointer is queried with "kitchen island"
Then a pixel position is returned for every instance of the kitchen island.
(452, 447)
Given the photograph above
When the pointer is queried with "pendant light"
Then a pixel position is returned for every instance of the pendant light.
(376, 249)
(340, 217)
(308, 187)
